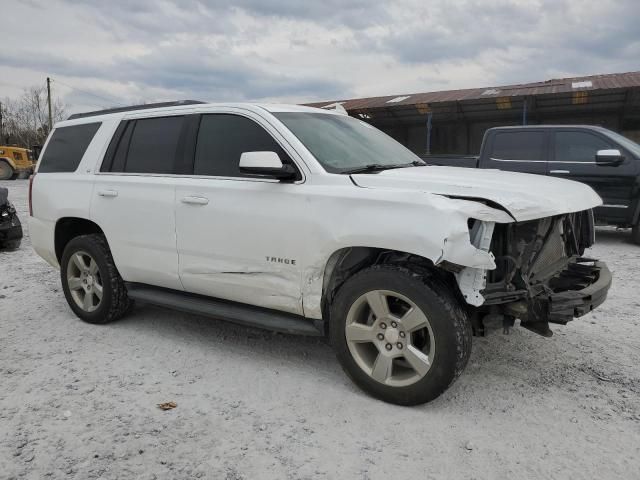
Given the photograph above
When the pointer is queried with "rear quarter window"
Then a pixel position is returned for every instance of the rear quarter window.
(66, 148)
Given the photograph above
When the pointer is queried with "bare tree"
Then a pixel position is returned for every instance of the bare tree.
(26, 118)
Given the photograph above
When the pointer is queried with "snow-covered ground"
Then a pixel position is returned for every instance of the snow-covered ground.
(80, 401)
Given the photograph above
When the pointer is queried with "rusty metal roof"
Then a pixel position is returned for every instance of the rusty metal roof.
(562, 85)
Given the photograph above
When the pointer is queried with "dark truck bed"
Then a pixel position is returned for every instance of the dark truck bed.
(604, 160)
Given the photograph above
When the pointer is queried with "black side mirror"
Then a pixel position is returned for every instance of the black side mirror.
(267, 164)
(609, 158)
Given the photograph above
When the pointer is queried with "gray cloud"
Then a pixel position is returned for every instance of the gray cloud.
(550, 35)
(459, 32)
(163, 17)
(189, 71)
(356, 14)
(140, 20)
(292, 50)
(216, 75)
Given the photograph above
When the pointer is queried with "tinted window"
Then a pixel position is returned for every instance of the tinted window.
(153, 145)
(223, 138)
(519, 146)
(578, 146)
(117, 152)
(66, 148)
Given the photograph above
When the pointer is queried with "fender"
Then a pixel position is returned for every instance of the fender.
(429, 226)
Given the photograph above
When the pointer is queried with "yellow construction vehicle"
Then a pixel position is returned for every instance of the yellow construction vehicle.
(15, 162)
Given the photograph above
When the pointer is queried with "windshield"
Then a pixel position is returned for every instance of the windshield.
(630, 145)
(342, 143)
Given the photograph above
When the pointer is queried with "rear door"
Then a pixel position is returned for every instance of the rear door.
(573, 156)
(133, 199)
(517, 151)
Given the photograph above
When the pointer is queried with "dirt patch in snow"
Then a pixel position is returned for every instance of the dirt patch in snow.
(81, 401)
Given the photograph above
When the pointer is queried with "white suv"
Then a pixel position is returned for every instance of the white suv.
(309, 221)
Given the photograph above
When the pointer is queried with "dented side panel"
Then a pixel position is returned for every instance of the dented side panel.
(426, 225)
(245, 244)
(270, 242)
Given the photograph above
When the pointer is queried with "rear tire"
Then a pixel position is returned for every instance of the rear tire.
(407, 349)
(6, 171)
(90, 280)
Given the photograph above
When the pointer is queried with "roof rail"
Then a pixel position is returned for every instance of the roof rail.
(134, 107)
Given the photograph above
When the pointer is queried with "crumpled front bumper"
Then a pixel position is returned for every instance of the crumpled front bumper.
(578, 289)
(595, 278)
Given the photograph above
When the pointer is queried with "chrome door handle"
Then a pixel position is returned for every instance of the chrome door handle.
(563, 172)
(195, 200)
(108, 193)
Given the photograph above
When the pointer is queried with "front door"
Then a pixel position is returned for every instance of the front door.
(239, 236)
(574, 157)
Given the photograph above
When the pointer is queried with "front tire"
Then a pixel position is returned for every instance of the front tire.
(90, 280)
(400, 335)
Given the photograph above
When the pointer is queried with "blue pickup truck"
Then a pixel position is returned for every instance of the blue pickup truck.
(604, 160)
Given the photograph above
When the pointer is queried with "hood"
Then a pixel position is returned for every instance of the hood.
(524, 196)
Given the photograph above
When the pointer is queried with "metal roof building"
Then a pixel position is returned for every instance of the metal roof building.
(454, 121)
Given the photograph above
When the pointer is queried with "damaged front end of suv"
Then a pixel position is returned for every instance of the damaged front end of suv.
(541, 275)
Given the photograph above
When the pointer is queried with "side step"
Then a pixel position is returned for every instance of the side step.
(239, 313)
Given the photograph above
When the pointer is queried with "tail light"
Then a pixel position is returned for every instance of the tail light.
(31, 194)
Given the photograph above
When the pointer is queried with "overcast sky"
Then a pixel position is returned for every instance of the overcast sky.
(125, 51)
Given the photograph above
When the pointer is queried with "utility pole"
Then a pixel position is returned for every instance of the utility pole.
(429, 116)
(1, 126)
(49, 103)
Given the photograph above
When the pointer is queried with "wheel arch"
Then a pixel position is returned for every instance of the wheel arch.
(68, 228)
(347, 261)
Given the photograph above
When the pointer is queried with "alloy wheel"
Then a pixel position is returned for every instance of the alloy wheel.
(390, 338)
(84, 281)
